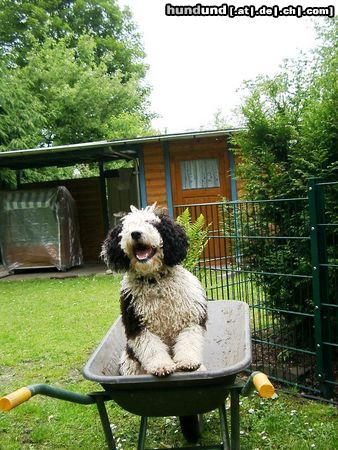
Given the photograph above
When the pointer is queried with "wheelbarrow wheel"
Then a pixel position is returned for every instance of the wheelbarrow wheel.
(192, 427)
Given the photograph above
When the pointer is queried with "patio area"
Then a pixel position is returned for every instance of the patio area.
(84, 270)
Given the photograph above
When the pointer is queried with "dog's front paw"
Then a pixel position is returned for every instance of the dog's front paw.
(187, 364)
(163, 370)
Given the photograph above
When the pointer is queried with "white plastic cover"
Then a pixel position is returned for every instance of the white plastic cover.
(39, 228)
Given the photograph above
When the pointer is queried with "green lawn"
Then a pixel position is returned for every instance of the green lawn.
(48, 329)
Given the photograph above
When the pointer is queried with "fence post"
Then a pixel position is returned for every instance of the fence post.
(319, 278)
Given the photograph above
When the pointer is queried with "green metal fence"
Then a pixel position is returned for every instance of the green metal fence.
(279, 256)
(323, 206)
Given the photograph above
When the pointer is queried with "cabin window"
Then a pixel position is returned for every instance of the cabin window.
(200, 173)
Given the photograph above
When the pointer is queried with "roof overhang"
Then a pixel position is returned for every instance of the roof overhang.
(63, 156)
(90, 152)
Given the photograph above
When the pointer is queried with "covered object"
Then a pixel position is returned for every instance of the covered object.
(39, 228)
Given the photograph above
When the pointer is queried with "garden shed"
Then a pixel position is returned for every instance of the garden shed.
(171, 169)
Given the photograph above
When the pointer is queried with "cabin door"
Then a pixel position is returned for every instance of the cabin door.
(200, 176)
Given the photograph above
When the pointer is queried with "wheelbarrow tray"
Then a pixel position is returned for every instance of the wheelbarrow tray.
(227, 351)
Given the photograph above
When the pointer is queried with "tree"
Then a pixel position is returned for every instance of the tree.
(21, 116)
(291, 135)
(84, 63)
(291, 122)
(76, 69)
(80, 99)
(20, 112)
(24, 23)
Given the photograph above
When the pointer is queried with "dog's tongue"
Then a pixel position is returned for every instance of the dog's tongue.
(143, 253)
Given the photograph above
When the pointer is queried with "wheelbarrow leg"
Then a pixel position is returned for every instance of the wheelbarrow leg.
(105, 423)
(235, 419)
(224, 427)
(142, 433)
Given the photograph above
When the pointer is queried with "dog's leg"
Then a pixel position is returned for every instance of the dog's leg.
(152, 354)
(129, 365)
(188, 348)
(144, 346)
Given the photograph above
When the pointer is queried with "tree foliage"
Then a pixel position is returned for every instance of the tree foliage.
(81, 100)
(291, 122)
(71, 72)
(21, 117)
(27, 22)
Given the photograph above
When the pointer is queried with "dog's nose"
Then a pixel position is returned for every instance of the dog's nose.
(136, 235)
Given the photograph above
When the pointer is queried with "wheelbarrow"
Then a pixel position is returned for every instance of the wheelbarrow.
(189, 395)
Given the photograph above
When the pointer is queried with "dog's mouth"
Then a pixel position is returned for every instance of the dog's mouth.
(144, 252)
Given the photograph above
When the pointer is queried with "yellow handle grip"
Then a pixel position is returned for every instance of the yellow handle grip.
(263, 385)
(14, 399)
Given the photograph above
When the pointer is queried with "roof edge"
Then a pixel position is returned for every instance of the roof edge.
(122, 142)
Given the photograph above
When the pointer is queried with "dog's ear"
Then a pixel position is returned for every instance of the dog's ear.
(112, 253)
(152, 208)
(175, 242)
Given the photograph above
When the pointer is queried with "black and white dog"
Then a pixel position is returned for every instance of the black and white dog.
(163, 306)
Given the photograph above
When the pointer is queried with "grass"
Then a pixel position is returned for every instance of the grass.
(48, 330)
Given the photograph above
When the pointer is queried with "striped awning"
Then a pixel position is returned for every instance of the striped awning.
(13, 200)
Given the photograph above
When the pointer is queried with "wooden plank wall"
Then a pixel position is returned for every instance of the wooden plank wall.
(86, 193)
(155, 174)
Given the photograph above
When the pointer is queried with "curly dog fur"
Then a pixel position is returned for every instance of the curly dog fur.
(163, 306)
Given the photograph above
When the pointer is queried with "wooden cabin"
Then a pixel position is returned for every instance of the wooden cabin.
(173, 170)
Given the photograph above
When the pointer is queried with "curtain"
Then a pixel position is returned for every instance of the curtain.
(200, 173)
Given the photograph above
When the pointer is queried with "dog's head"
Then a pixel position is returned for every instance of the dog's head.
(145, 241)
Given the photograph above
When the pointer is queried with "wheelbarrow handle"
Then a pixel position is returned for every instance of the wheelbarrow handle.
(20, 396)
(260, 382)
(14, 399)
